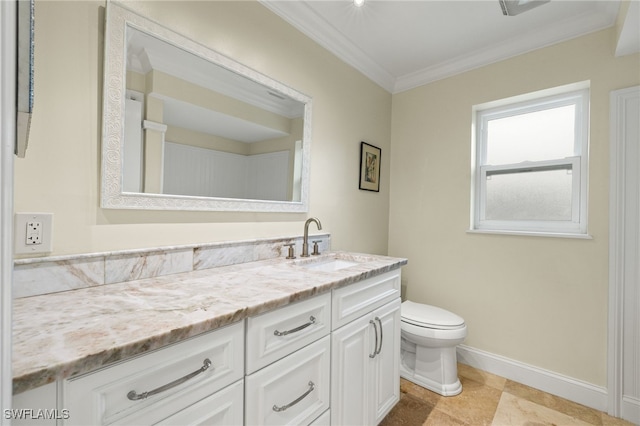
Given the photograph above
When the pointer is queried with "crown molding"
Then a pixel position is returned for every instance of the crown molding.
(559, 32)
(629, 37)
(300, 15)
(303, 17)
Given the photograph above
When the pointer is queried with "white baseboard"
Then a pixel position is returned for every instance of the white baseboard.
(556, 384)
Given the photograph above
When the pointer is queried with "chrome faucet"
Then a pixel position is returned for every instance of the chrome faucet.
(305, 242)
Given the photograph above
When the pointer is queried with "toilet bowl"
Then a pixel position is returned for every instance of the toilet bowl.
(429, 336)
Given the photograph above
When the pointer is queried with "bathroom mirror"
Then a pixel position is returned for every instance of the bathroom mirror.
(186, 128)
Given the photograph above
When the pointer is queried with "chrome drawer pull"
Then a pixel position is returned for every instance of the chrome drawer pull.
(381, 339)
(375, 331)
(312, 320)
(300, 398)
(134, 396)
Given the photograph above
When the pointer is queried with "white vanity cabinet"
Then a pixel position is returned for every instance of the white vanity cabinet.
(365, 352)
(197, 380)
(330, 359)
(288, 364)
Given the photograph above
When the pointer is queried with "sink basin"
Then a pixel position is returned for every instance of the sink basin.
(329, 265)
(332, 261)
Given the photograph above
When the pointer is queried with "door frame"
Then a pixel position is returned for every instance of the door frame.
(617, 211)
(8, 40)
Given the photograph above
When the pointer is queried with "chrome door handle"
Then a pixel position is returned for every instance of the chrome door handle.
(134, 396)
(375, 331)
(381, 337)
(298, 399)
(312, 320)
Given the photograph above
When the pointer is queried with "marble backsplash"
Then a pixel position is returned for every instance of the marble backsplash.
(45, 275)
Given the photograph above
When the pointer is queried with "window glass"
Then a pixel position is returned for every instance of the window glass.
(533, 136)
(540, 195)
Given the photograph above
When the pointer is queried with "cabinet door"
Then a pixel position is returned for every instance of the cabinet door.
(351, 346)
(365, 362)
(386, 378)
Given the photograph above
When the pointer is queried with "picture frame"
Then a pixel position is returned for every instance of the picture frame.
(370, 158)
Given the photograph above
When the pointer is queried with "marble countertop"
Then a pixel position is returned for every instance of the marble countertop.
(61, 335)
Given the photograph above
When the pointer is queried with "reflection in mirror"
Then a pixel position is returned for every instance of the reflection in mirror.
(195, 130)
(204, 130)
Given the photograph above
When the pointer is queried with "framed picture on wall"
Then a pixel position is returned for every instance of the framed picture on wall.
(369, 167)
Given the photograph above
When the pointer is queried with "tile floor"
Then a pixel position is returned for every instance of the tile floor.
(490, 400)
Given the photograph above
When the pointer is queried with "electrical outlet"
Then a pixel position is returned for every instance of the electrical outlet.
(33, 233)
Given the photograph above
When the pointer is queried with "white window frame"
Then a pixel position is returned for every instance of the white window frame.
(577, 163)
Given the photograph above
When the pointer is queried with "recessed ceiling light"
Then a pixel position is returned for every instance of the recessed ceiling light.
(358, 3)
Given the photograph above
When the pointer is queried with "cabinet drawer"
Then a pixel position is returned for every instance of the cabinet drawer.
(102, 397)
(294, 390)
(323, 420)
(276, 334)
(355, 300)
(223, 408)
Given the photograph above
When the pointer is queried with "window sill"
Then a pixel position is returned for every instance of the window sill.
(530, 233)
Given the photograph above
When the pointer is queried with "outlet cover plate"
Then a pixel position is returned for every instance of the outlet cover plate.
(20, 224)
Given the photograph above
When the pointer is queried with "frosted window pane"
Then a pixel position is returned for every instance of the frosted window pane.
(538, 195)
(535, 136)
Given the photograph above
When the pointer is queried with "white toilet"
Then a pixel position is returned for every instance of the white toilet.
(428, 347)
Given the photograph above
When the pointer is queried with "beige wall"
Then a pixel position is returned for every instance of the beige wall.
(61, 172)
(541, 301)
(538, 300)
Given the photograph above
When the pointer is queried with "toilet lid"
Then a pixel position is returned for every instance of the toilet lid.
(429, 316)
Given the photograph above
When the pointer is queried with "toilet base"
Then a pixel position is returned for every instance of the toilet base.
(452, 389)
(432, 368)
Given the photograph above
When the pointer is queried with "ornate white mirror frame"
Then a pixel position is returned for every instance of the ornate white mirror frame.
(118, 19)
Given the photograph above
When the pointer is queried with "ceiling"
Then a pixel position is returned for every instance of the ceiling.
(404, 44)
